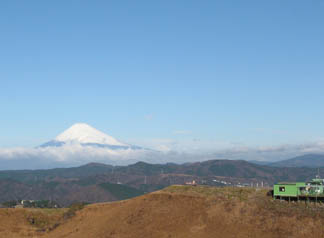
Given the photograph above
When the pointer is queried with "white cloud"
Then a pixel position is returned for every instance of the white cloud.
(163, 148)
(70, 154)
(186, 145)
(166, 150)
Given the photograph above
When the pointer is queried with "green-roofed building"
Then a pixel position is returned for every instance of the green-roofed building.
(312, 189)
(288, 189)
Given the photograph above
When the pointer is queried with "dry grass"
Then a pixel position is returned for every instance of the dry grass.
(29, 222)
(177, 211)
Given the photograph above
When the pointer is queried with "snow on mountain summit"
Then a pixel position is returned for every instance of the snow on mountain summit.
(82, 144)
(84, 134)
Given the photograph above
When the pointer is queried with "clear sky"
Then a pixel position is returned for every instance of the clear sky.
(226, 72)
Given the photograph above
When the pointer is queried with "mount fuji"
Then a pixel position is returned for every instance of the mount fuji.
(84, 135)
(80, 144)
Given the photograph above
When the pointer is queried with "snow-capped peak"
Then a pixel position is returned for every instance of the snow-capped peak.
(84, 134)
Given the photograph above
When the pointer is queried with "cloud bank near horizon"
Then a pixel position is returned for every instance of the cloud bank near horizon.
(50, 157)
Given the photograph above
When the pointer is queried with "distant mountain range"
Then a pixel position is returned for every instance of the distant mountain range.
(308, 161)
(96, 182)
(99, 182)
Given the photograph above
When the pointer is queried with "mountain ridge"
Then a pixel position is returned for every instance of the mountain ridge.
(307, 160)
(65, 185)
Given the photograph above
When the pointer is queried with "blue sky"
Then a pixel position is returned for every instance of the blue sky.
(220, 72)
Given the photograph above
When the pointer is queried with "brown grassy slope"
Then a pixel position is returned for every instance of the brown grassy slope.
(28, 222)
(178, 211)
(183, 211)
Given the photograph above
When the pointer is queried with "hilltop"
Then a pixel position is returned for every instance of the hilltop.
(177, 211)
(185, 211)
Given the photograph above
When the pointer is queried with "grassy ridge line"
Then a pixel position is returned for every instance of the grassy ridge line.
(176, 211)
(252, 197)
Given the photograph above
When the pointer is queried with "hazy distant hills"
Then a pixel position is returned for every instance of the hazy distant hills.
(309, 160)
(225, 168)
(96, 182)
